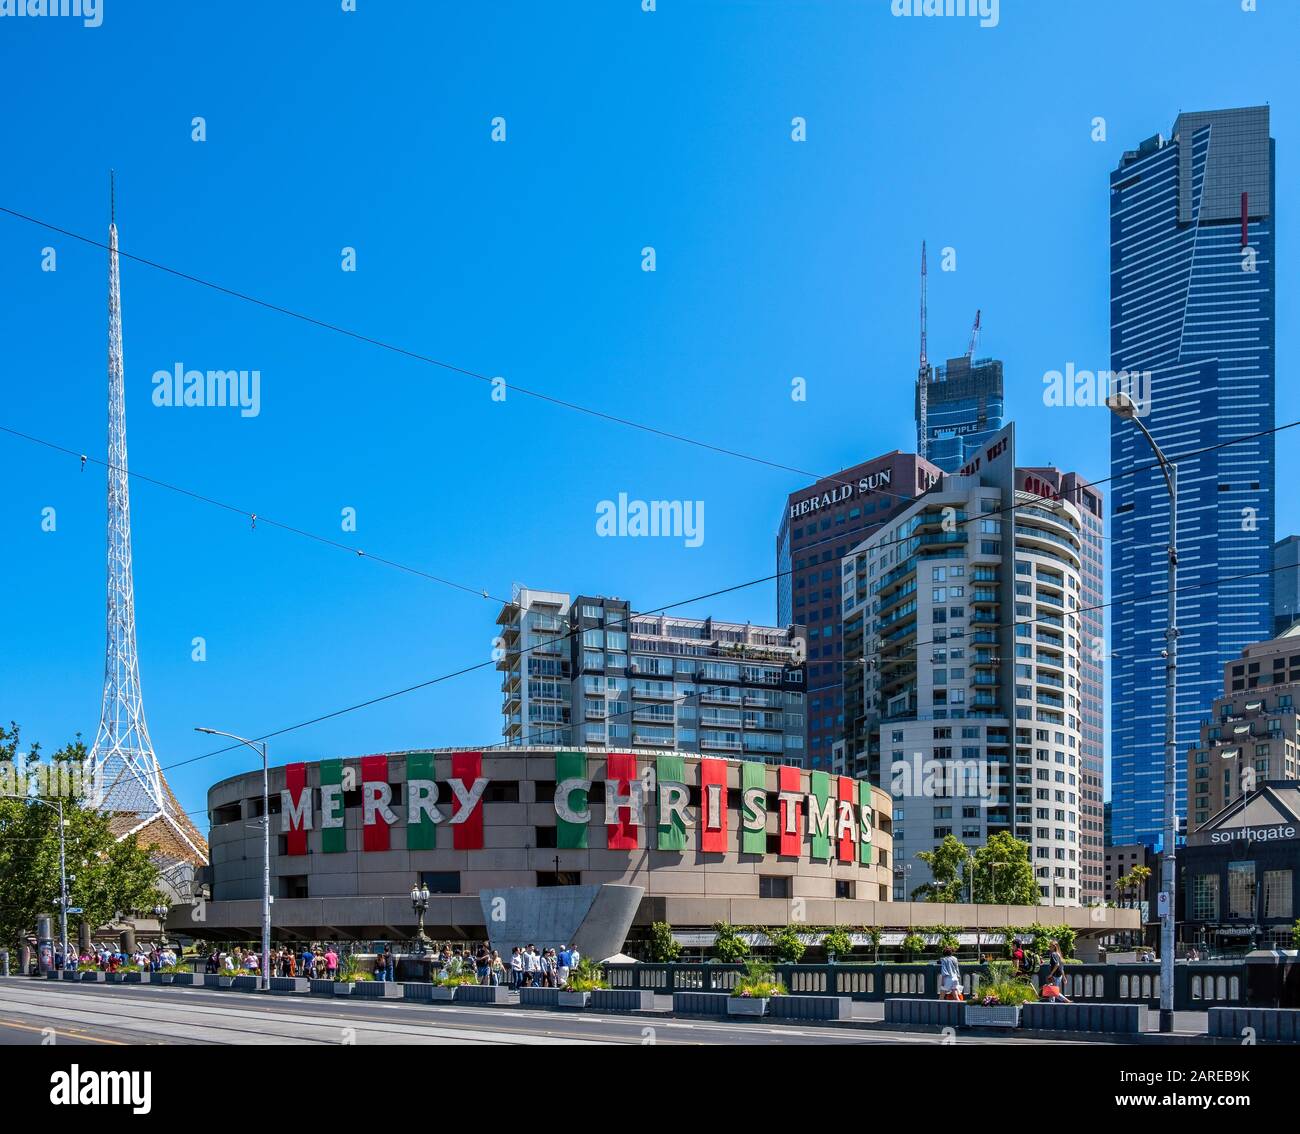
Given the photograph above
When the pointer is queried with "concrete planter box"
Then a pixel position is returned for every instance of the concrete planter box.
(539, 997)
(484, 994)
(54, 974)
(578, 1000)
(321, 987)
(114, 978)
(90, 976)
(700, 1003)
(810, 1008)
(377, 990)
(994, 1016)
(217, 980)
(747, 1005)
(161, 978)
(1112, 1019)
(284, 984)
(183, 978)
(917, 1012)
(1267, 1025)
(414, 990)
(342, 987)
(244, 983)
(622, 1000)
(131, 978)
(442, 993)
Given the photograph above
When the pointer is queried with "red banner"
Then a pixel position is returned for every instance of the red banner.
(620, 772)
(713, 805)
(374, 831)
(848, 849)
(295, 833)
(467, 832)
(791, 825)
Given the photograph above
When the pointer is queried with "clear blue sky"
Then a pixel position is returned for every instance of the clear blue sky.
(625, 129)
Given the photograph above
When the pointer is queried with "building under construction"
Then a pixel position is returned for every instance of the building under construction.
(964, 408)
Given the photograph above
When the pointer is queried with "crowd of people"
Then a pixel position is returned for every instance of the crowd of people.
(527, 966)
(547, 968)
(109, 959)
(313, 961)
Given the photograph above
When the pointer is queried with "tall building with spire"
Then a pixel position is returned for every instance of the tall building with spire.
(125, 776)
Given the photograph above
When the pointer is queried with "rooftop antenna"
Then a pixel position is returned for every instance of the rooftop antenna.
(922, 376)
(112, 196)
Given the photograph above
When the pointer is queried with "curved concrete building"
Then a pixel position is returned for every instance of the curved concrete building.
(512, 842)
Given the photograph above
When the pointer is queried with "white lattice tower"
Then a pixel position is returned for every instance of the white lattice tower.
(125, 776)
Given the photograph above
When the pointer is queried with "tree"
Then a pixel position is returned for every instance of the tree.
(1295, 935)
(1003, 874)
(786, 944)
(105, 876)
(1138, 878)
(948, 864)
(837, 941)
(664, 947)
(728, 946)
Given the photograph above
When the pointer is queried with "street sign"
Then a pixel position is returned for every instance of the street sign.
(1162, 906)
(75, 909)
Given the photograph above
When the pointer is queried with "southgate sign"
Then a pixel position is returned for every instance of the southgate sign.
(1281, 832)
(832, 819)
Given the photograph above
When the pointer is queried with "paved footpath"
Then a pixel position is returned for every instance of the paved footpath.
(33, 1011)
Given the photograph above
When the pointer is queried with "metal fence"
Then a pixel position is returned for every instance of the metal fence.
(1197, 985)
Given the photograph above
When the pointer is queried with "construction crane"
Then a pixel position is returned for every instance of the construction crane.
(922, 376)
(974, 337)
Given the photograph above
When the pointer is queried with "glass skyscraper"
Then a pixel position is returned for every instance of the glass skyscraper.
(1192, 307)
(964, 408)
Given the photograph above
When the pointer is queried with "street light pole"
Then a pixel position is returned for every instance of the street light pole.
(259, 747)
(1123, 406)
(63, 889)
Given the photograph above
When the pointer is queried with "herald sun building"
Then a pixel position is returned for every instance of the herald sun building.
(540, 843)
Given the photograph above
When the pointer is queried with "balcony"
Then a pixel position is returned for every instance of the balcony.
(643, 693)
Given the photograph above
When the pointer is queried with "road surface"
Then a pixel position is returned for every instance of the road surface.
(36, 1011)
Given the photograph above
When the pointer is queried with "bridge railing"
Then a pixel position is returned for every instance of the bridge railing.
(1197, 985)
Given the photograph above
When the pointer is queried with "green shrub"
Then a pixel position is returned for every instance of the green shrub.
(758, 981)
(838, 941)
(728, 947)
(587, 977)
(664, 949)
(786, 944)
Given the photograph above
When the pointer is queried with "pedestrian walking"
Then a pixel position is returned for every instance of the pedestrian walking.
(950, 976)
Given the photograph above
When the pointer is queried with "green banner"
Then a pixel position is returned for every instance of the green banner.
(333, 840)
(570, 834)
(423, 833)
(820, 783)
(670, 781)
(753, 775)
(864, 808)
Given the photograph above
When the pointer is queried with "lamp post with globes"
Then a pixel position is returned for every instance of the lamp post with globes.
(420, 903)
(1123, 406)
